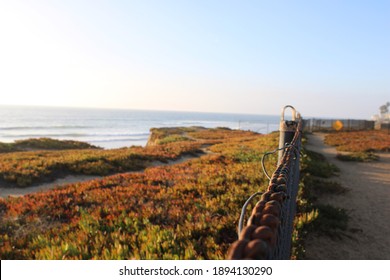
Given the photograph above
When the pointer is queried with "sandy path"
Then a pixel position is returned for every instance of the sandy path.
(367, 203)
(5, 192)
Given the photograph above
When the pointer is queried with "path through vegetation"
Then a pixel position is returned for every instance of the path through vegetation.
(18, 191)
(367, 203)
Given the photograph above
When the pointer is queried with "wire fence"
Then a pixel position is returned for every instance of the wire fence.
(268, 233)
(337, 124)
(258, 126)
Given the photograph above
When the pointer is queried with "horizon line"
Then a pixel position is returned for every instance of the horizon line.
(172, 111)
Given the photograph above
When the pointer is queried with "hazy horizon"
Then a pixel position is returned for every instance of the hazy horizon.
(288, 111)
(328, 59)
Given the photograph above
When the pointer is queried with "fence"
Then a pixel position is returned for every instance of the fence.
(258, 126)
(382, 126)
(268, 233)
(337, 124)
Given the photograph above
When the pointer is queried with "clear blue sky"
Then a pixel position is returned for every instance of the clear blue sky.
(327, 58)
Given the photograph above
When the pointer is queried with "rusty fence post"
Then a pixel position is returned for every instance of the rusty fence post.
(287, 130)
(253, 241)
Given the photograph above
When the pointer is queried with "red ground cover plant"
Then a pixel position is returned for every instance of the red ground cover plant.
(26, 168)
(360, 141)
(182, 211)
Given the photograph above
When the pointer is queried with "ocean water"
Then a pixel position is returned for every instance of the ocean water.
(114, 128)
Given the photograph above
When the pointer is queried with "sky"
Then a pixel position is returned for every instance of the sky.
(327, 58)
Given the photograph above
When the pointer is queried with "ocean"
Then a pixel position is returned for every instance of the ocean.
(114, 128)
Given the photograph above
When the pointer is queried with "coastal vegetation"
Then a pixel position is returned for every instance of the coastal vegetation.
(360, 145)
(43, 144)
(22, 169)
(358, 156)
(183, 211)
(360, 141)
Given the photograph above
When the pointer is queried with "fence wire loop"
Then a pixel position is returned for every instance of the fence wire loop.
(286, 145)
(243, 212)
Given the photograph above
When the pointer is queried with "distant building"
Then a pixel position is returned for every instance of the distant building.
(382, 121)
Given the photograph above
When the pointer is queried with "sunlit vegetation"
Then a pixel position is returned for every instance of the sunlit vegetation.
(359, 156)
(26, 168)
(171, 134)
(183, 211)
(360, 141)
(221, 133)
(43, 144)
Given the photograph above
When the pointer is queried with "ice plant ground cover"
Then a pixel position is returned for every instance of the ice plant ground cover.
(183, 211)
(359, 145)
(360, 141)
(25, 168)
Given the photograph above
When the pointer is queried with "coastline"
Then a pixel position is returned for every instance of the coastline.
(115, 128)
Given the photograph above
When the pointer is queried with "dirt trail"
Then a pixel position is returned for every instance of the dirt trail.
(367, 203)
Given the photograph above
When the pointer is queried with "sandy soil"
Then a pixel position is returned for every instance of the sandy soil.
(367, 203)
(4, 192)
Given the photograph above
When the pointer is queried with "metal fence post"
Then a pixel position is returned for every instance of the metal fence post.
(281, 193)
(287, 130)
